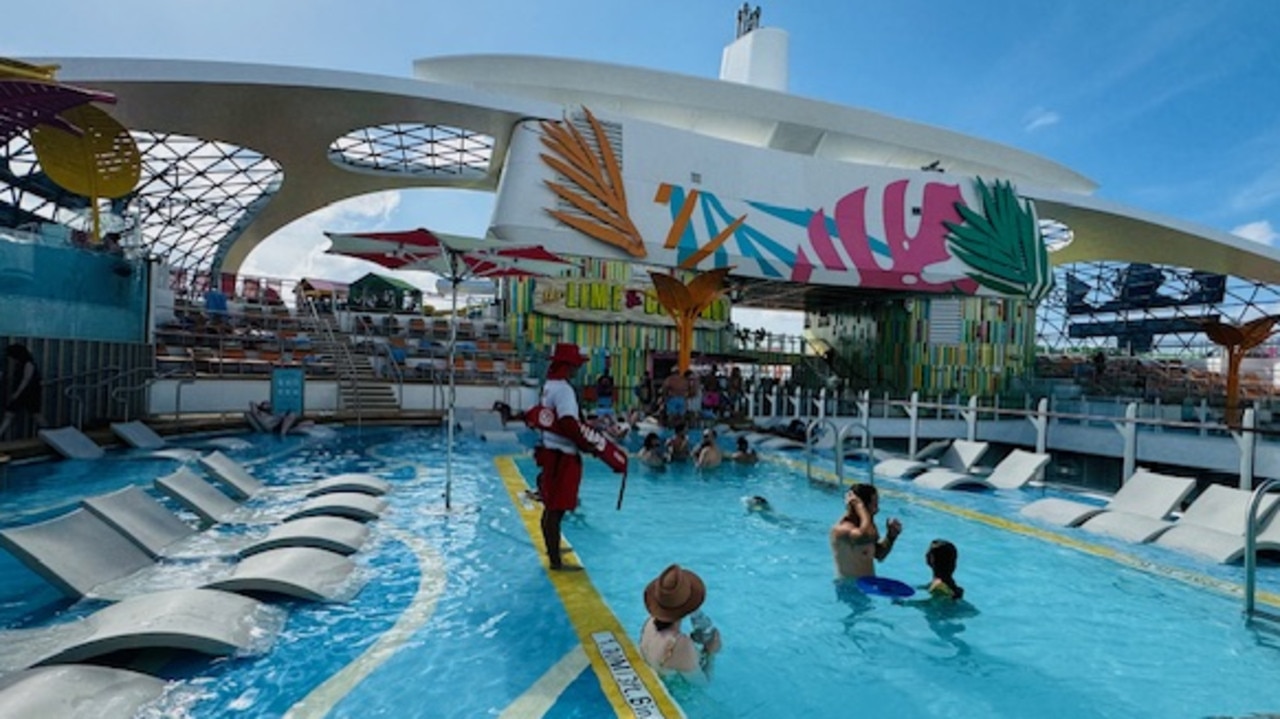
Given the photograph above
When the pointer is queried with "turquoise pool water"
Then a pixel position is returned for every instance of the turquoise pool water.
(457, 618)
(1052, 631)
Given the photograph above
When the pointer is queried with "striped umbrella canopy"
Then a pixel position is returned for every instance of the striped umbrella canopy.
(456, 259)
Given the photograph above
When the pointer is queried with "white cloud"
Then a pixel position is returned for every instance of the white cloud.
(297, 250)
(778, 322)
(1260, 231)
(1040, 117)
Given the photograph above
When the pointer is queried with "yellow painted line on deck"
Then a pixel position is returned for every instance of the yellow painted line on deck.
(1181, 575)
(627, 681)
(539, 698)
(431, 585)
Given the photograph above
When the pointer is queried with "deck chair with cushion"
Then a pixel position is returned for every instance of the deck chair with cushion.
(82, 555)
(161, 533)
(1146, 494)
(208, 621)
(71, 443)
(1214, 525)
(1013, 472)
(955, 455)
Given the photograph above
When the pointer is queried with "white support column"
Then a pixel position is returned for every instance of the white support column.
(913, 415)
(864, 406)
(751, 404)
(777, 411)
(1129, 432)
(795, 403)
(971, 419)
(1247, 440)
(822, 403)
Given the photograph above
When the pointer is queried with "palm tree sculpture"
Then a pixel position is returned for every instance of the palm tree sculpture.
(1236, 341)
(685, 302)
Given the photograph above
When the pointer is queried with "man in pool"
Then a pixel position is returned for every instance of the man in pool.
(855, 540)
(564, 434)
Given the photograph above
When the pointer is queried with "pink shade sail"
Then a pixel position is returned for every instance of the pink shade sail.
(453, 257)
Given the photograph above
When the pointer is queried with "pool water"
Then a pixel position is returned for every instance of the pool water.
(1048, 630)
(457, 618)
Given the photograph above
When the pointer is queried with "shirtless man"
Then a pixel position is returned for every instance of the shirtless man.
(855, 541)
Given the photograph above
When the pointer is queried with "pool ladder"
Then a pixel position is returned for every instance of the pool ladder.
(841, 434)
(1251, 551)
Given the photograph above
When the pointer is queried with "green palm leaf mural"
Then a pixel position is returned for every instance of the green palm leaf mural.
(1002, 245)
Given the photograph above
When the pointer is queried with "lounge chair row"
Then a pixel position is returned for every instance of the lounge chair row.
(115, 547)
(952, 465)
(1212, 526)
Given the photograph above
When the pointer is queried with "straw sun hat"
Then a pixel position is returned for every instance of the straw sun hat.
(674, 594)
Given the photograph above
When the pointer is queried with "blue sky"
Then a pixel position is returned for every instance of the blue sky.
(1170, 106)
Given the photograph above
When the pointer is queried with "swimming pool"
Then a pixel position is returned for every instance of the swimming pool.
(1058, 628)
(457, 617)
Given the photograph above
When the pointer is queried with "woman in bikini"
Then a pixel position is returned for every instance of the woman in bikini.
(674, 595)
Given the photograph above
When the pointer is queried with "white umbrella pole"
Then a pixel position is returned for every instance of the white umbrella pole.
(453, 343)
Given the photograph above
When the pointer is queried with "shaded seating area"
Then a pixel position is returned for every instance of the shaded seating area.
(1146, 494)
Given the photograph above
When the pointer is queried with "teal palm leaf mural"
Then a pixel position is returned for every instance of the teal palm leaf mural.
(1002, 245)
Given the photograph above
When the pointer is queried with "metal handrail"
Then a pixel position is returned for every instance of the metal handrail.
(74, 392)
(1251, 546)
(348, 364)
(117, 394)
(809, 441)
(870, 447)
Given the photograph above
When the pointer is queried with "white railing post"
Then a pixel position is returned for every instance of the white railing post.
(971, 419)
(822, 403)
(1247, 441)
(1128, 429)
(913, 415)
(864, 406)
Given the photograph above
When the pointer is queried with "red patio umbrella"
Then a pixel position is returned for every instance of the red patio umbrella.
(456, 259)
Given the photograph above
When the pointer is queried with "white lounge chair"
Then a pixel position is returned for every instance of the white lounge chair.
(957, 456)
(160, 533)
(207, 621)
(1012, 472)
(327, 498)
(137, 434)
(82, 555)
(1213, 526)
(1146, 494)
(243, 485)
(71, 443)
(78, 691)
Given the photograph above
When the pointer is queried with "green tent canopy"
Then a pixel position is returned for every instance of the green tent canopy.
(379, 292)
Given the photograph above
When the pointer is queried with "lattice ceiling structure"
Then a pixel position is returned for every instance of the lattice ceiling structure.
(415, 149)
(1144, 308)
(191, 202)
(195, 196)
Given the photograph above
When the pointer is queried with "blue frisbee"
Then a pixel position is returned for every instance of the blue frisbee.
(885, 587)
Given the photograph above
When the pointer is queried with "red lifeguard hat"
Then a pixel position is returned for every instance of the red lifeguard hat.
(568, 353)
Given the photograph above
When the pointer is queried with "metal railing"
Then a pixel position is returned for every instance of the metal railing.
(120, 394)
(76, 392)
(1251, 549)
(346, 364)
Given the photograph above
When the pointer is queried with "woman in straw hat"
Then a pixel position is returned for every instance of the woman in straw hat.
(675, 594)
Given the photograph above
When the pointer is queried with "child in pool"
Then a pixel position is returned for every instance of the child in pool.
(941, 558)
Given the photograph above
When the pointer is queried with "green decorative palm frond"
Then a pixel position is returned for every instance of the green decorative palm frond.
(1002, 246)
